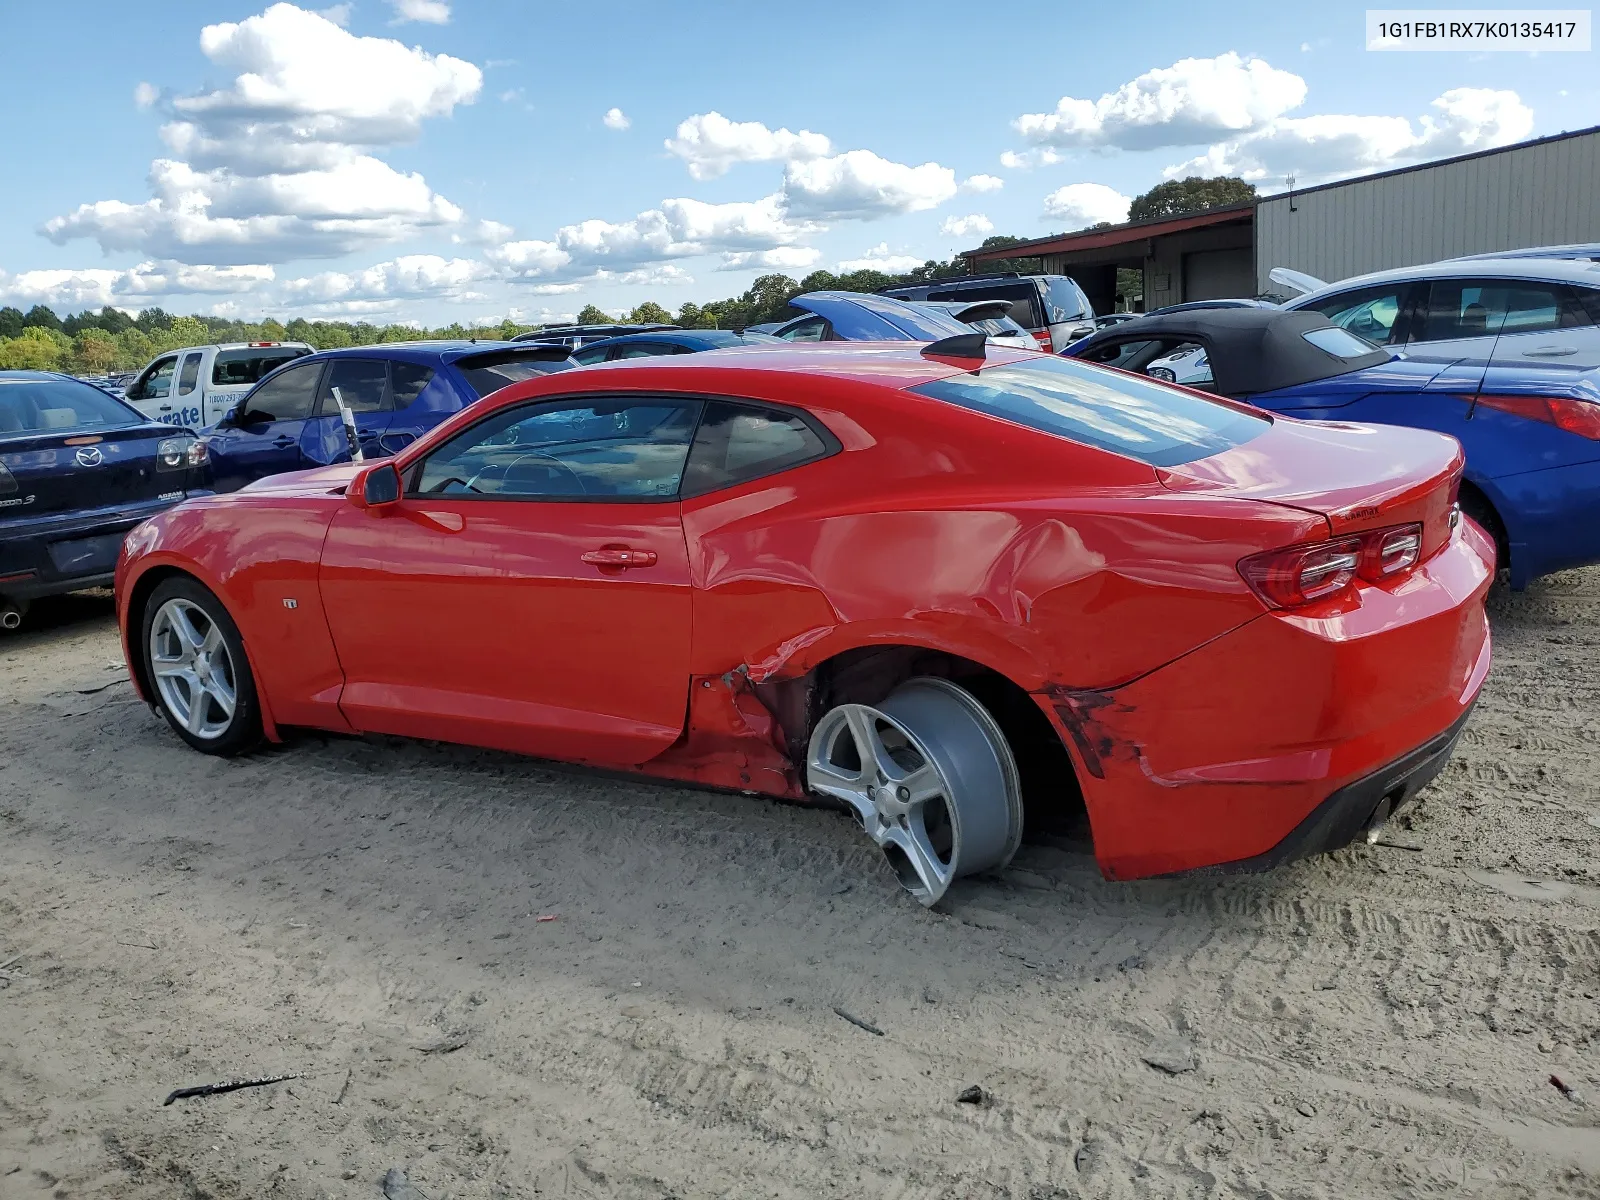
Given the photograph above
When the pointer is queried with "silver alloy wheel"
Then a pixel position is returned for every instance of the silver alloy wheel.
(193, 669)
(931, 778)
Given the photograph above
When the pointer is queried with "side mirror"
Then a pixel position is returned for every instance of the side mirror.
(229, 419)
(375, 487)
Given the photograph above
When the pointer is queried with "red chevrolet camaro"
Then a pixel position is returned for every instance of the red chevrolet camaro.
(953, 593)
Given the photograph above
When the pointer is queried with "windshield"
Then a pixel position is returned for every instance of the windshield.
(59, 405)
(1111, 411)
(1023, 297)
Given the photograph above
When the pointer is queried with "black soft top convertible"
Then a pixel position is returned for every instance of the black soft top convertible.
(1251, 350)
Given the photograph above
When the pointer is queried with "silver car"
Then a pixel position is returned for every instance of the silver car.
(1509, 311)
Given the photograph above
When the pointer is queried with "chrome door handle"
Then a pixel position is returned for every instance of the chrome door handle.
(1550, 352)
(620, 556)
(283, 443)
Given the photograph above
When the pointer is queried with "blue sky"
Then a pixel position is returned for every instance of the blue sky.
(431, 161)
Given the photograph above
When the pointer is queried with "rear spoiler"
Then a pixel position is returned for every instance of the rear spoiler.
(525, 352)
(982, 310)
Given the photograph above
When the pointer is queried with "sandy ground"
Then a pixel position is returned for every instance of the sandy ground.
(366, 913)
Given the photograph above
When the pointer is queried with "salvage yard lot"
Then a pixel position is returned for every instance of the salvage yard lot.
(1383, 1021)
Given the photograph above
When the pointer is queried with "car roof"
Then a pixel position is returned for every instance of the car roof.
(426, 351)
(887, 315)
(672, 337)
(1542, 270)
(897, 365)
(1256, 349)
(1571, 250)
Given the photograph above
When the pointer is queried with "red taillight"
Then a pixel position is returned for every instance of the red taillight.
(1303, 574)
(1575, 416)
(1042, 336)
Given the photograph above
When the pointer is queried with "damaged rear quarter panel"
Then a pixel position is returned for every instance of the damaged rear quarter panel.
(1054, 564)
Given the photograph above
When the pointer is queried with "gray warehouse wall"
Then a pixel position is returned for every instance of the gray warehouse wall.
(1544, 193)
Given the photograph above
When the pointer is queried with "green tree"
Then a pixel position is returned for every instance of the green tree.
(10, 322)
(94, 351)
(1179, 197)
(650, 313)
(114, 320)
(36, 349)
(133, 349)
(593, 316)
(329, 335)
(153, 320)
(42, 317)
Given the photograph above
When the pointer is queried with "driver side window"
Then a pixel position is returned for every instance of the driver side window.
(576, 450)
(286, 396)
(812, 329)
(157, 381)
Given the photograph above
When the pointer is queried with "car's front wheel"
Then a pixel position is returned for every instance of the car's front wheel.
(195, 662)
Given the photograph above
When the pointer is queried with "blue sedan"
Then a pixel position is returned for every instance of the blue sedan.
(1531, 433)
(78, 469)
(396, 392)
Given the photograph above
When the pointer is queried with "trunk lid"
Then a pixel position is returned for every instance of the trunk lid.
(1357, 477)
(73, 470)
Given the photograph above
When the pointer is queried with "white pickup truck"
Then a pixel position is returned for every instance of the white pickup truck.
(194, 386)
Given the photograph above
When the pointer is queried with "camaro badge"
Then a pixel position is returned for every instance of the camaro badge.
(89, 456)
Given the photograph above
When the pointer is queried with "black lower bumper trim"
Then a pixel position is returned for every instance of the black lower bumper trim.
(34, 588)
(1348, 813)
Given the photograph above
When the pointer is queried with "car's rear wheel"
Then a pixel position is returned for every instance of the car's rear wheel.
(1476, 505)
(931, 778)
(194, 659)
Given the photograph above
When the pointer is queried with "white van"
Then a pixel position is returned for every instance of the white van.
(194, 386)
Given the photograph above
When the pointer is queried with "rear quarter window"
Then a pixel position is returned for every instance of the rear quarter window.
(1123, 414)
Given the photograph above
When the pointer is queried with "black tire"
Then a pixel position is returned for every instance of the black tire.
(243, 731)
(1476, 505)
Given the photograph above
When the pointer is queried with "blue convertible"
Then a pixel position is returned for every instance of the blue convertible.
(1531, 433)
(78, 469)
(396, 392)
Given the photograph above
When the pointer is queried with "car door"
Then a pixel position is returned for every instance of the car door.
(264, 436)
(151, 393)
(186, 407)
(364, 385)
(1508, 321)
(530, 591)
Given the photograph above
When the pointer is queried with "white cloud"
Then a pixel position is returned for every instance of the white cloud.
(679, 228)
(1039, 156)
(859, 184)
(145, 94)
(98, 287)
(221, 217)
(1194, 100)
(431, 12)
(878, 258)
(510, 95)
(1318, 148)
(782, 258)
(615, 118)
(278, 165)
(710, 144)
(339, 14)
(1080, 205)
(982, 183)
(411, 276)
(966, 226)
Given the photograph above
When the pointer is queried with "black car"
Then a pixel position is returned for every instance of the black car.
(574, 336)
(1052, 308)
(78, 469)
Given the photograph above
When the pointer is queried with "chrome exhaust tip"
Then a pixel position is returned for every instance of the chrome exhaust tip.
(10, 618)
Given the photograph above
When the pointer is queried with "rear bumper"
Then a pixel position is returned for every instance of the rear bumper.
(1362, 807)
(66, 552)
(1229, 754)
